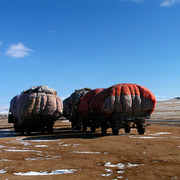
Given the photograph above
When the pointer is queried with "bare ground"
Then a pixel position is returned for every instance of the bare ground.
(155, 155)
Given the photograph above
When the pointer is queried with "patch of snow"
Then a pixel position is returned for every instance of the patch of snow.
(53, 157)
(108, 170)
(85, 152)
(59, 171)
(108, 174)
(41, 158)
(160, 133)
(43, 140)
(120, 172)
(5, 159)
(2, 171)
(76, 144)
(20, 150)
(41, 146)
(25, 143)
(2, 146)
(133, 165)
(66, 145)
(145, 137)
(119, 177)
(33, 159)
(119, 165)
(60, 143)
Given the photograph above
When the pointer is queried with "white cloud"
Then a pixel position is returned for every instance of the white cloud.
(168, 3)
(18, 50)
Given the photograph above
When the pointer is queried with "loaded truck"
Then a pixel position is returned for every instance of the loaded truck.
(120, 106)
(70, 106)
(35, 109)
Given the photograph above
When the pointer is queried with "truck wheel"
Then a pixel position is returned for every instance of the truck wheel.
(104, 127)
(15, 126)
(28, 132)
(84, 128)
(115, 131)
(42, 129)
(127, 128)
(141, 129)
(103, 130)
(93, 129)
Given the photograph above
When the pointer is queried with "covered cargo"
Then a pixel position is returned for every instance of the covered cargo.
(117, 106)
(36, 108)
(66, 108)
(127, 100)
(75, 99)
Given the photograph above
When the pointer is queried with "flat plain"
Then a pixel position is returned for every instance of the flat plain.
(70, 154)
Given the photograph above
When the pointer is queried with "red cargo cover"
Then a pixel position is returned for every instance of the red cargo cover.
(83, 107)
(123, 98)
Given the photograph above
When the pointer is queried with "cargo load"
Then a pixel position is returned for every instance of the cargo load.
(67, 108)
(119, 106)
(83, 108)
(127, 100)
(74, 101)
(36, 107)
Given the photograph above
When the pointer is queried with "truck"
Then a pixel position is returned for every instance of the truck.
(123, 105)
(35, 109)
(70, 106)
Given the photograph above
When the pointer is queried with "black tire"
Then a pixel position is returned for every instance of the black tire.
(104, 130)
(93, 129)
(127, 128)
(28, 132)
(22, 130)
(84, 128)
(141, 129)
(50, 129)
(42, 129)
(115, 131)
(16, 128)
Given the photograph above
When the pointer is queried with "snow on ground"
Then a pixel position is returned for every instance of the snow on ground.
(2, 171)
(41, 146)
(59, 171)
(160, 133)
(20, 150)
(120, 166)
(5, 160)
(85, 152)
(145, 137)
(41, 158)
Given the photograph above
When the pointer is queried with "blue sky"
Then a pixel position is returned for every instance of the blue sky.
(71, 44)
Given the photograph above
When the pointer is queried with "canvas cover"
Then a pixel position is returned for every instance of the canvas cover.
(66, 108)
(124, 99)
(75, 99)
(41, 101)
(83, 107)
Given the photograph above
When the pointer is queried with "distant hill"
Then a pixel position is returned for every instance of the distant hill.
(177, 98)
(4, 110)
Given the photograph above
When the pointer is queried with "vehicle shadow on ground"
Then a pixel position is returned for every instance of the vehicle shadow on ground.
(68, 133)
(8, 134)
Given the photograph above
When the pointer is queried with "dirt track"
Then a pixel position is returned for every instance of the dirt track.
(155, 155)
